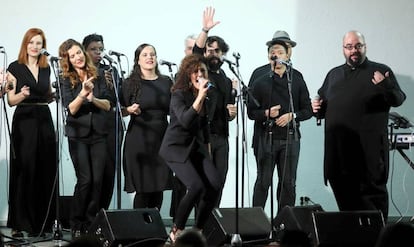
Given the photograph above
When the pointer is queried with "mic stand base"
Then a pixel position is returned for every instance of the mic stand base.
(57, 230)
(273, 236)
(236, 240)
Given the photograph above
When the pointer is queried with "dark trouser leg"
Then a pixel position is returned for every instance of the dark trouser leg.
(220, 153)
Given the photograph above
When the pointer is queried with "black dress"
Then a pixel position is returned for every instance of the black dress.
(33, 154)
(144, 169)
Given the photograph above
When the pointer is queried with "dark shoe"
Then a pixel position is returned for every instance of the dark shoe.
(16, 233)
(36, 234)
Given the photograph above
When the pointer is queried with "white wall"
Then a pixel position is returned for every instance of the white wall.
(317, 26)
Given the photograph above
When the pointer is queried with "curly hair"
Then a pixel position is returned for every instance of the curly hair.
(68, 71)
(190, 64)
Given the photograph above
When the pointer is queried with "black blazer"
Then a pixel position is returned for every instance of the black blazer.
(187, 130)
(89, 117)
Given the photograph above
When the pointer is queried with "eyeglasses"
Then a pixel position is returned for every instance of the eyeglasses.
(97, 50)
(350, 47)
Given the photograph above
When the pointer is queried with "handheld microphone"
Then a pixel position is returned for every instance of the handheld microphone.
(114, 53)
(209, 85)
(318, 114)
(224, 59)
(108, 58)
(163, 62)
(44, 52)
(280, 61)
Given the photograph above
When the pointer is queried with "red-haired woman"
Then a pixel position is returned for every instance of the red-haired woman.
(33, 144)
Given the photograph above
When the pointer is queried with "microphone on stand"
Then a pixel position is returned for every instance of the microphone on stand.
(44, 52)
(108, 58)
(236, 55)
(224, 59)
(114, 53)
(318, 114)
(281, 61)
(163, 62)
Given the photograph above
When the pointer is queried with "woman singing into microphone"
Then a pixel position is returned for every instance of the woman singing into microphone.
(185, 146)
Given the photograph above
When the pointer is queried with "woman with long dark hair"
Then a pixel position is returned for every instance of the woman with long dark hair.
(147, 99)
(185, 146)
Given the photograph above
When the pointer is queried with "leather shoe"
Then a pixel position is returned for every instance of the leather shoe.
(16, 233)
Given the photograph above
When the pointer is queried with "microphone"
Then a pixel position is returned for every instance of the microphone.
(318, 114)
(209, 85)
(224, 59)
(44, 52)
(114, 53)
(163, 62)
(280, 61)
(236, 55)
(108, 58)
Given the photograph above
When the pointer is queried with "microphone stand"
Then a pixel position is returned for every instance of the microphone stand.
(236, 238)
(117, 120)
(4, 103)
(57, 226)
(171, 72)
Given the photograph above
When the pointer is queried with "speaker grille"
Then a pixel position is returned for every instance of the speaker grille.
(254, 226)
(141, 226)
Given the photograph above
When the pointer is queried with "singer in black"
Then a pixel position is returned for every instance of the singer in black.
(33, 143)
(276, 141)
(267, 68)
(185, 146)
(355, 100)
(221, 96)
(94, 46)
(147, 94)
(86, 99)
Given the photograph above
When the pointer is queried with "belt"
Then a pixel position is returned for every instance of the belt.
(34, 103)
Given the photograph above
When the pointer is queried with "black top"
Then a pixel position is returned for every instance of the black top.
(218, 97)
(356, 118)
(89, 118)
(187, 129)
(273, 90)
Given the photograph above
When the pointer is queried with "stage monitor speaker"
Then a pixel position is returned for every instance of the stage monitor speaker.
(254, 226)
(134, 227)
(347, 228)
(296, 218)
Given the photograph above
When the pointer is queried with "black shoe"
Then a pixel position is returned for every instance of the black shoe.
(36, 234)
(16, 234)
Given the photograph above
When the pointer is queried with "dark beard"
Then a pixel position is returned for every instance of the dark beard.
(214, 63)
(356, 62)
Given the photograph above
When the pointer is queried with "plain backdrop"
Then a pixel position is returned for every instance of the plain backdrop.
(317, 26)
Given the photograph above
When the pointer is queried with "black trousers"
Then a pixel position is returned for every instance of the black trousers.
(285, 155)
(88, 158)
(202, 183)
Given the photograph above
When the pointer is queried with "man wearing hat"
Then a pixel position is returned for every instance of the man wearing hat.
(283, 101)
(277, 36)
